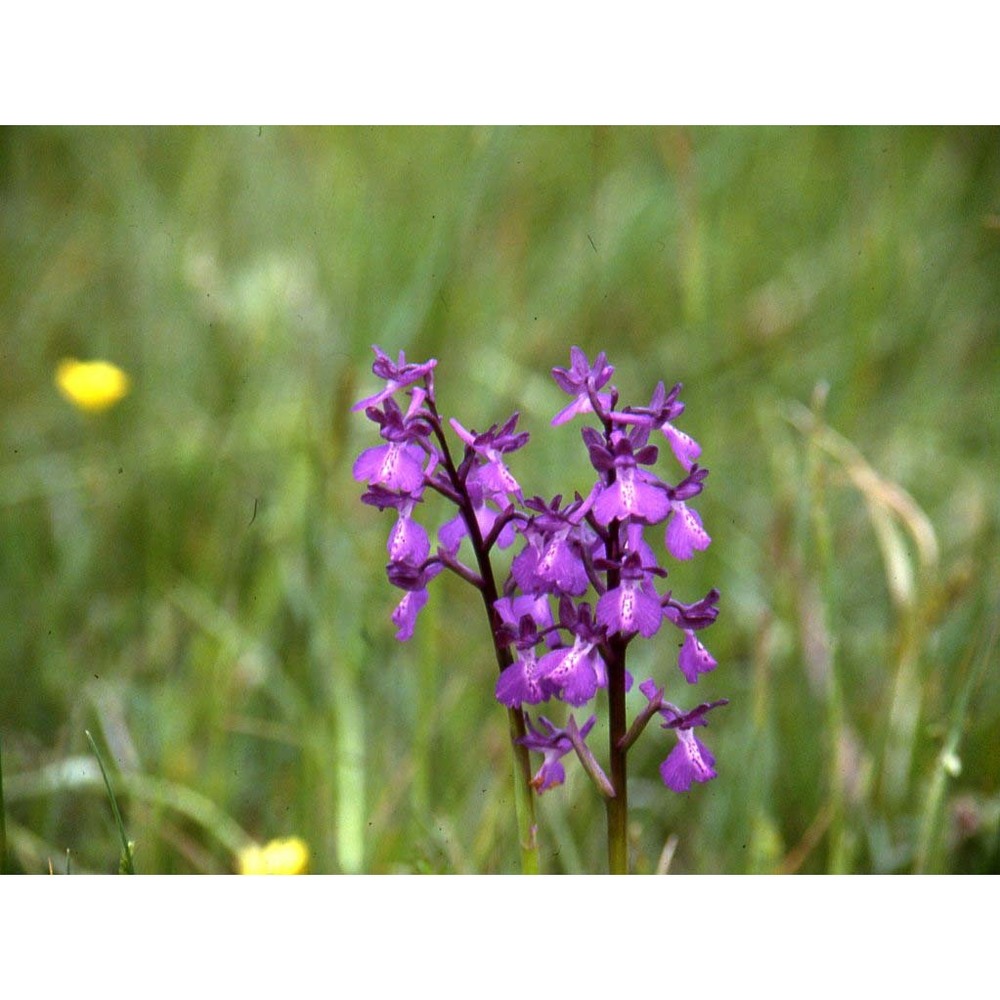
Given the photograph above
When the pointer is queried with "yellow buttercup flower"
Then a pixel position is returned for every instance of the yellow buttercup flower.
(289, 856)
(91, 385)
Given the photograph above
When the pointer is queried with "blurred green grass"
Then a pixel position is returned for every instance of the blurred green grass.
(192, 577)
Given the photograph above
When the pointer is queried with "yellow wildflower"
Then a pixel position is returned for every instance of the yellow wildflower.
(91, 385)
(289, 856)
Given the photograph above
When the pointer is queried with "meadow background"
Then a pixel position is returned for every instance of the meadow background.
(191, 577)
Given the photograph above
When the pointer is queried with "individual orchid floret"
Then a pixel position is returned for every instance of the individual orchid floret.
(574, 673)
(398, 464)
(408, 541)
(380, 497)
(582, 380)
(686, 450)
(520, 683)
(633, 606)
(514, 607)
(412, 578)
(397, 376)
(553, 744)
(634, 494)
(690, 760)
(559, 545)
(663, 408)
(494, 476)
(634, 541)
(685, 533)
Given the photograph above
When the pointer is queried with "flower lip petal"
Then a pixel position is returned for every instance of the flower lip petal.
(689, 761)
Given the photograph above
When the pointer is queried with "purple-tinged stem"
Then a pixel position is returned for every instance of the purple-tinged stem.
(617, 807)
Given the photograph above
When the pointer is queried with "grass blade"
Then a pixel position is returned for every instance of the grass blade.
(126, 864)
(3, 821)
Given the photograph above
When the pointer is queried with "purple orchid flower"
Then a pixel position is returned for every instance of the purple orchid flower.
(399, 464)
(690, 760)
(634, 493)
(685, 533)
(633, 606)
(555, 559)
(574, 673)
(520, 683)
(582, 380)
(663, 408)
(397, 376)
(494, 476)
(513, 608)
(698, 615)
(553, 744)
(413, 579)
(597, 545)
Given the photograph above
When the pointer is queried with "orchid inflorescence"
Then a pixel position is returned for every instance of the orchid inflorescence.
(552, 643)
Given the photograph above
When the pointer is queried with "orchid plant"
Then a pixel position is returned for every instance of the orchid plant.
(582, 584)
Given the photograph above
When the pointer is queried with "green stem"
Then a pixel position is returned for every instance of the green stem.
(524, 796)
